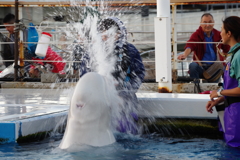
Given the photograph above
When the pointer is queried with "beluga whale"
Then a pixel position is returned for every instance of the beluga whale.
(89, 117)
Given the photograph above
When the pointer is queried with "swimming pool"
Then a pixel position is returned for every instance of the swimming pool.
(146, 146)
(127, 147)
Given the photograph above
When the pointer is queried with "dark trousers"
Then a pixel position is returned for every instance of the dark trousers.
(196, 71)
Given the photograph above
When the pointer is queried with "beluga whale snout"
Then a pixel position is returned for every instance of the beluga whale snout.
(89, 117)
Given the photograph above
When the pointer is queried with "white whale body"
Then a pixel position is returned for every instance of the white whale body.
(89, 114)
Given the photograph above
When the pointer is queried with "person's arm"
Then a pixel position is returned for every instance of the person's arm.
(185, 54)
(235, 92)
(189, 46)
(213, 103)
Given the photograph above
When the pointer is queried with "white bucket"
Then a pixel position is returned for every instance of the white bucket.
(42, 45)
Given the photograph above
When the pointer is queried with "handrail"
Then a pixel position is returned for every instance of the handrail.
(51, 61)
(140, 32)
(137, 25)
(55, 27)
(176, 2)
(134, 25)
(199, 61)
(39, 60)
(197, 23)
(146, 52)
(197, 42)
(63, 42)
(7, 42)
(130, 32)
(142, 42)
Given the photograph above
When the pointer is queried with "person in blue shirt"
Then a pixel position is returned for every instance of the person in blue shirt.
(204, 51)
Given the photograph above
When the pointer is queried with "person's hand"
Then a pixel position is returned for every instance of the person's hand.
(181, 57)
(213, 94)
(211, 104)
(34, 73)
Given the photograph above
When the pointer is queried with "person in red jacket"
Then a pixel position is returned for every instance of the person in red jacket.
(55, 64)
(204, 51)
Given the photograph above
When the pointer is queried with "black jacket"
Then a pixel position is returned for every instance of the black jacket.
(6, 52)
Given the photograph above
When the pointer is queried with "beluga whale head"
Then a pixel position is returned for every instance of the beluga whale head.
(89, 117)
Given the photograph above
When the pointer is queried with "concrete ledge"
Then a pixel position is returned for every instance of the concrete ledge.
(149, 87)
(173, 105)
(189, 87)
(38, 85)
(180, 87)
(11, 131)
(153, 87)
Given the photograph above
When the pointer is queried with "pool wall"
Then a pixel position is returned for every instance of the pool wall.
(11, 131)
(45, 117)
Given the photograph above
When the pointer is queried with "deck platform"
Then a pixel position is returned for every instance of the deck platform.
(28, 111)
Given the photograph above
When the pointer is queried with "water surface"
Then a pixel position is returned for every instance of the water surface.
(127, 147)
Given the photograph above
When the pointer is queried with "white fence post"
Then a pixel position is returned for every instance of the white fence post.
(163, 46)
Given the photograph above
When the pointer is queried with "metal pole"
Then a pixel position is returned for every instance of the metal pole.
(21, 45)
(16, 36)
(174, 39)
(163, 65)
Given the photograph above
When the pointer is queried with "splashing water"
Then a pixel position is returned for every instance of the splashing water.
(103, 60)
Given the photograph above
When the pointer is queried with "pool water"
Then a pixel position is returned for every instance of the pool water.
(127, 147)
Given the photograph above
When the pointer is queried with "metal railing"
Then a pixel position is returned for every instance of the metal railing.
(174, 41)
